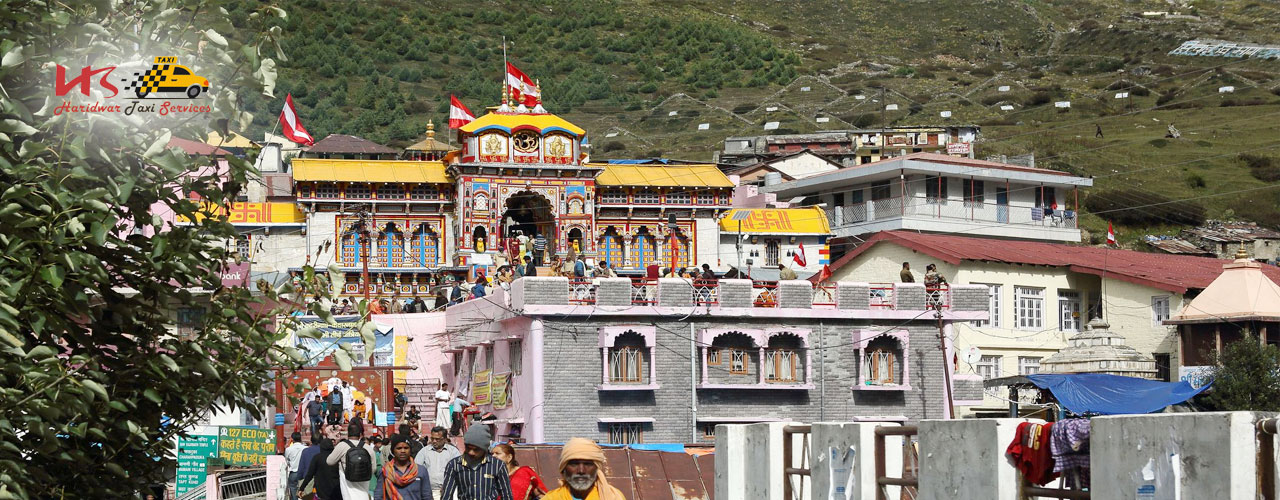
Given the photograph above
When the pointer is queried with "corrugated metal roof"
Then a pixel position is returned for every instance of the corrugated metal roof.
(1181, 247)
(663, 176)
(338, 143)
(316, 169)
(1174, 273)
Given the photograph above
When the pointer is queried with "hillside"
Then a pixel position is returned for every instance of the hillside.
(641, 76)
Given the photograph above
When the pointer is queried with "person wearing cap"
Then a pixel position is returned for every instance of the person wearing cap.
(401, 478)
(475, 475)
(582, 466)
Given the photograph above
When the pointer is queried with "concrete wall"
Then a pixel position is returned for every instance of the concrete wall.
(850, 446)
(284, 248)
(964, 459)
(1129, 312)
(1191, 455)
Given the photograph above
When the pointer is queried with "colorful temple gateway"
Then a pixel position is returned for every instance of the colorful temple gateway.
(519, 176)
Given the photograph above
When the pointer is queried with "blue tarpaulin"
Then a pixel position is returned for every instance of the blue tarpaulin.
(1101, 394)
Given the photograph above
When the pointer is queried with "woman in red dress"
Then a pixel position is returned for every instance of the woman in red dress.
(525, 483)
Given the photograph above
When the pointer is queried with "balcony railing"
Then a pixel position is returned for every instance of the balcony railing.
(644, 291)
(764, 293)
(881, 295)
(581, 291)
(959, 210)
(706, 292)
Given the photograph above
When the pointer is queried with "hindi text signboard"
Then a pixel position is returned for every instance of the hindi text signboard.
(246, 445)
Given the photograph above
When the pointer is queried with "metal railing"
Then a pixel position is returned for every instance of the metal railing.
(824, 294)
(789, 491)
(644, 291)
(582, 291)
(881, 295)
(939, 296)
(961, 210)
(706, 292)
(909, 483)
(764, 293)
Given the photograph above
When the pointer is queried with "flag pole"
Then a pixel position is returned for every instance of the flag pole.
(504, 69)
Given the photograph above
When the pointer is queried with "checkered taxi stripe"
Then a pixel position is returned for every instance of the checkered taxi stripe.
(150, 81)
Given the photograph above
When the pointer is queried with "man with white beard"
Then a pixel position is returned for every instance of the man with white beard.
(582, 466)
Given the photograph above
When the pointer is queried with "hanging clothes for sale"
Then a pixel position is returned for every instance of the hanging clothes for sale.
(1069, 442)
(1031, 454)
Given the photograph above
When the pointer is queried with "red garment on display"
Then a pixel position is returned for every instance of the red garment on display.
(1030, 453)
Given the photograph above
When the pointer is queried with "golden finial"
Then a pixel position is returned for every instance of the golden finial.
(431, 130)
(504, 94)
(1241, 253)
(537, 84)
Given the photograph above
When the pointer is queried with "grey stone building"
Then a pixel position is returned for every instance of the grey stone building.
(666, 360)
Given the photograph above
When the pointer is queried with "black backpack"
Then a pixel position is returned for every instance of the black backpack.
(359, 466)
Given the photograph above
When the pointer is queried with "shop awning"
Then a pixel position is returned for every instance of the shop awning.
(663, 176)
(1102, 394)
(404, 171)
(776, 221)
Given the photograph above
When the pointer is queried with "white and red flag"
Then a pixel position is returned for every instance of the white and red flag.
(527, 92)
(292, 126)
(798, 257)
(1111, 234)
(459, 115)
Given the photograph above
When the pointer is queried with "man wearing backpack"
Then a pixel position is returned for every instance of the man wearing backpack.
(355, 464)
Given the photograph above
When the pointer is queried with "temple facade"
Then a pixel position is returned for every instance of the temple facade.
(516, 177)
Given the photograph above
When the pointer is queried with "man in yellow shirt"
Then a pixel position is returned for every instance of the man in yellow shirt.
(582, 465)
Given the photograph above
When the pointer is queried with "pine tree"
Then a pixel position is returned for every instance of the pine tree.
(1246, 377)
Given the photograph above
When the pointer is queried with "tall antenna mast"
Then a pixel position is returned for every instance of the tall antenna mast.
(504, 70)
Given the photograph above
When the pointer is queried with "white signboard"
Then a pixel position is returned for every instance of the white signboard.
(1121, 95)
(804, 89)
(673, 113)
(859, 97)
(1226, 90)
(959, 148)
(704, 126)
(891, 107)
(1003, 88)
(771, 126)
(771, 108)
(1197, 376)
(945, 114)
(1062, 104)
(1007, 107)
(611, 134)
(822, 119)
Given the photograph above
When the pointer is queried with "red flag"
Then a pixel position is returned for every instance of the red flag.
(292, 126)
(824, 274)
(527, 92)
(459, 115)
(798, 257)
(1111, 234)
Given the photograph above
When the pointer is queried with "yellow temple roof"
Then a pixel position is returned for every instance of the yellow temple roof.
(809, 220)
(234, 140)
(317, 169)
(663, 176)
(513, 122)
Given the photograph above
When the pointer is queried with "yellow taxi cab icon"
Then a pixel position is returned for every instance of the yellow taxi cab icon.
(167, 76)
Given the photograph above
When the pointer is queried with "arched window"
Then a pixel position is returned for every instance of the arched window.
(351, 251)
(643, 248)
(783, 359)
(391, 247)
(628, 359)
(627, 353)
(730, 359)
(881, 362)
(425, 246)
(612, 248)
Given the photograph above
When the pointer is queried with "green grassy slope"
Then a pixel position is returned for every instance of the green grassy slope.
(381, 69)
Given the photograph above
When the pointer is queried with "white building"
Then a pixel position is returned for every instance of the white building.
(944, 194)
(1042, 294)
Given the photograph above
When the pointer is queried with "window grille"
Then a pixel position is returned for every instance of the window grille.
(626, 365)
(626, 433)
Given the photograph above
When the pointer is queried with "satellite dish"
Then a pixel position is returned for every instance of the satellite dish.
(973, 355)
